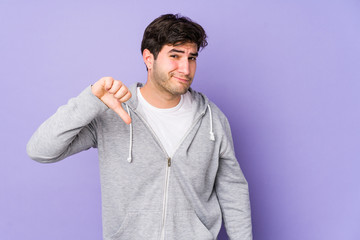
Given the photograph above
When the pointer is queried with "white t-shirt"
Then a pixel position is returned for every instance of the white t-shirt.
(170, 124)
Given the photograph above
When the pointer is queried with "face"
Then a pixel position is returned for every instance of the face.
(174, 69)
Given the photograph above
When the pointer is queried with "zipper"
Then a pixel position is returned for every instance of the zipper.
(165, 200)
(167, 175)
(168, 165)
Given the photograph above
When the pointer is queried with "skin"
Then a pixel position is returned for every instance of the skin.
(169, 76)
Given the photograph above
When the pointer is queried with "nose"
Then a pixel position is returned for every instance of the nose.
(184, 66)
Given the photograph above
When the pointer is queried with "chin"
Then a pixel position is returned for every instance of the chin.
(177, 88)
(183, 91)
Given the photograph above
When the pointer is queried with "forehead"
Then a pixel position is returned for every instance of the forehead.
(185, 47)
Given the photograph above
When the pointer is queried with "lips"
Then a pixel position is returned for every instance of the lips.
(181, 79)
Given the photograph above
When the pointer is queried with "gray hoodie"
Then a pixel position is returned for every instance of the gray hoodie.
(145, 194)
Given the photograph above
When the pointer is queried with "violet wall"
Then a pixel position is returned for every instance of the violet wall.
(286, 73)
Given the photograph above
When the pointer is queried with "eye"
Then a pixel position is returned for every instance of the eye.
(174, 56)
(192, 58)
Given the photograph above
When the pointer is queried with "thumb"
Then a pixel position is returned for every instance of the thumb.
(122, 113)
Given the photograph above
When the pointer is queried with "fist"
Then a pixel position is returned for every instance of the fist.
(112, 93)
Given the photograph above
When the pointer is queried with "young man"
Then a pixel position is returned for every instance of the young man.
(168, 167)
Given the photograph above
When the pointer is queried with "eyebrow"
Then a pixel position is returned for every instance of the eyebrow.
(179, 51)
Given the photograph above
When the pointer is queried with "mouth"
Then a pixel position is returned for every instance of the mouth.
(181, 79)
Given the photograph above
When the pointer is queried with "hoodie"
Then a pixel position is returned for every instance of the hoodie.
(145, 193)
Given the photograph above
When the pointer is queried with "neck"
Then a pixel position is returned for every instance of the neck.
(157, 97)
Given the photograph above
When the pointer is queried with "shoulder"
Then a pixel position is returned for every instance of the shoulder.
(210, 107)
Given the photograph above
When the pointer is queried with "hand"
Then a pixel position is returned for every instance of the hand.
(112, 93)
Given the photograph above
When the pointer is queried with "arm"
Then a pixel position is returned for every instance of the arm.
(72, 128)
(232, 191)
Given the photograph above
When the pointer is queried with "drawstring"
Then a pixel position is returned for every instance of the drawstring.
(131, 136)
(212, 136)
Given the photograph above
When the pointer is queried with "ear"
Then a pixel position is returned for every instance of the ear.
(148, 58)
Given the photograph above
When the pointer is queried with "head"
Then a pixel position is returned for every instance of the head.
(170, 47)
(170, 29)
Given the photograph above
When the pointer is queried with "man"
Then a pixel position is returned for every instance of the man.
(168, 168)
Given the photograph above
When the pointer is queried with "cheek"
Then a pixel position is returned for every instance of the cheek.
(193, 68)
(171, 66)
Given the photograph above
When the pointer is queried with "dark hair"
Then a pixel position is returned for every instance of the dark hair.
(172, 29)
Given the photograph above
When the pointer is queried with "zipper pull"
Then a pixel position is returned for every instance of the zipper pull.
(169, 162)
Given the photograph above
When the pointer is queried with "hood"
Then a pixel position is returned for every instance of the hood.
(201, 101)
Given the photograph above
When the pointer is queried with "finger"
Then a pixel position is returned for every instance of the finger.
(108, 82)
(123, 114)
(126, 97)
(121, 92)
(116, 85)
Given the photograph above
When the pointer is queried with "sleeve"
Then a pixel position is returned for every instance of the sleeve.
(232, 191)
(70, 130)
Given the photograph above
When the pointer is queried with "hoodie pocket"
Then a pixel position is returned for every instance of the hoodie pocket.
(138, 225)
(186, 226)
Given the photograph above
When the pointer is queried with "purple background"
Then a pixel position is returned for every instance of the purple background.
(286, 73)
